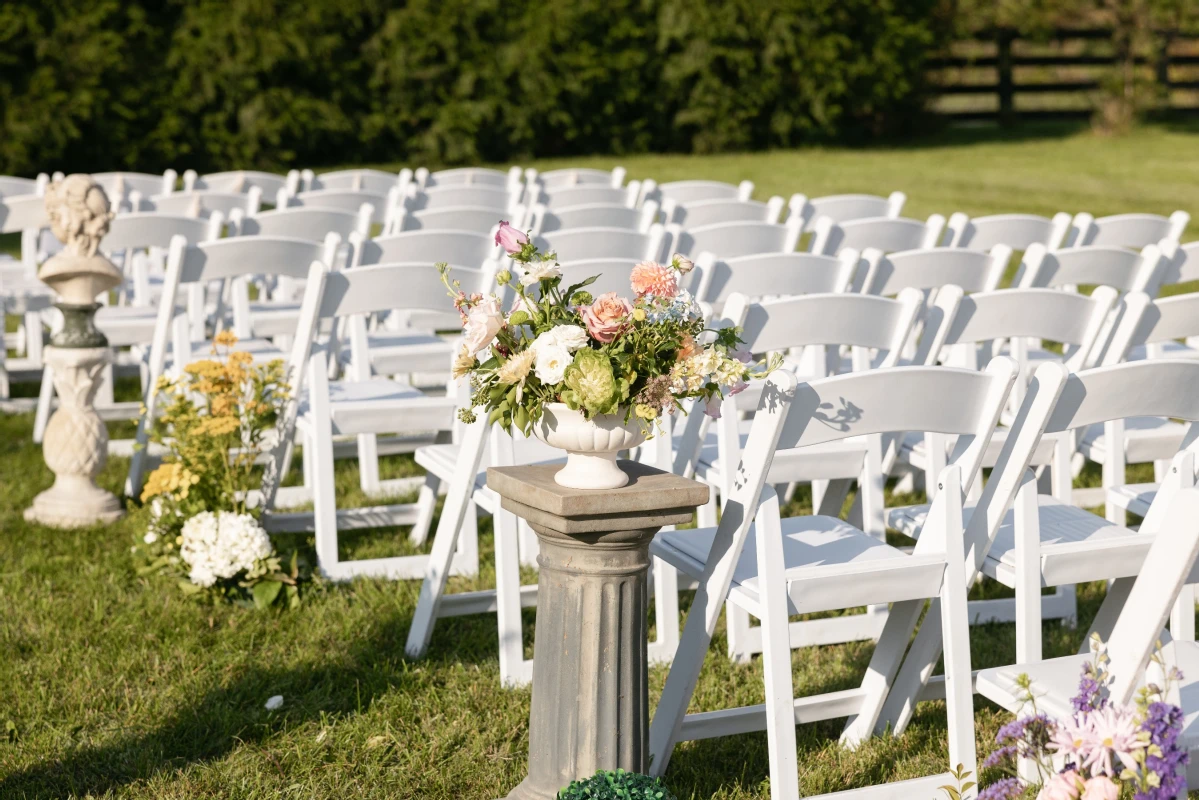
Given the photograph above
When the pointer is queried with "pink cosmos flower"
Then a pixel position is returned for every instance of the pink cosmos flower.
(607, 317)
(1063, 786)
(509, 238)
(1100, 788)
(652, 278)
(1111, 731)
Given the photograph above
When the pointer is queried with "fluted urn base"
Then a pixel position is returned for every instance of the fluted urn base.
(590, 708)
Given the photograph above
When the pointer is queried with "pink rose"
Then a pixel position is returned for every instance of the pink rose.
(607, 317)
(1100, 788)
(511, 239)
(483, 322)
(1063, 786)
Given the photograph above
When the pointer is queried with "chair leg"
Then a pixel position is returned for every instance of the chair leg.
(880, 674)
(705, 515)
(666, 613)
(737, 627)
(1109, 611)
(1182, 618)
(514, 669)
(529, 547)
(466, 554)
(368, 463)
(45, 399)
(324, 498)
(426, 504)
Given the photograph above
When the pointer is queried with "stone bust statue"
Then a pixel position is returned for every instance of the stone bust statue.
(79, 214)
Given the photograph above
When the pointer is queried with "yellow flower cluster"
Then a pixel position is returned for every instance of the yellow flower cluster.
(169, 479)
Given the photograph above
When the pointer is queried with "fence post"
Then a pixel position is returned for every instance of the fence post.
(1003, 64)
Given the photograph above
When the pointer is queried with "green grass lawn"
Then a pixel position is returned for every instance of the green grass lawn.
(114, 685)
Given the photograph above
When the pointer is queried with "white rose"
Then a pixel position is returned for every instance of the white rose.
(540, 271)
(483, 322)
(551, 364)
(150, 538)
(572, 337)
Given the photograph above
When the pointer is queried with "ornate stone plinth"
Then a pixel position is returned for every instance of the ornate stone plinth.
(590, 694)
(75, 445)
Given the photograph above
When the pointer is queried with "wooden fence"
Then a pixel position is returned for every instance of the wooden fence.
(1000, 75)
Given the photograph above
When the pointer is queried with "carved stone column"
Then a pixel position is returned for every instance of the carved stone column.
(590, 707)
(76, 444)
(76, 441)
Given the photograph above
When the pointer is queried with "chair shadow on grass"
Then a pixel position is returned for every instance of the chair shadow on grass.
(230, 716)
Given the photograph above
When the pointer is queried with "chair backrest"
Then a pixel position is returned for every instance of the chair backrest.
(118, 185)
(1182, 263)
(687, 192)
(772, 274)
(1127, 230)
(242, 181)
(23, 212)
(734, 239)
(382, 204)
(713, 212)
(1162, 320)
(601, 215)
(845, 207)
(575, 176)
(477, 219)
(476, 176)
(457, 248)
(202, 203)
(889, 234)
(584, 195)
(497, 198)
(1158, 388)
(139, 231)
(11, 186)
(308, 223)
(932, 268)
(372, 181)
(1016, 231)
(577, 244)
(1118, 267)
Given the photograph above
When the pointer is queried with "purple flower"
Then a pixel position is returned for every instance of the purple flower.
(1006, 789)
(1090, 692)
(1163, 723)
(1024, 729)
(1001, 756)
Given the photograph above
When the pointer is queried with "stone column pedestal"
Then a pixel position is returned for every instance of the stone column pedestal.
(75, 444)
(590, 707)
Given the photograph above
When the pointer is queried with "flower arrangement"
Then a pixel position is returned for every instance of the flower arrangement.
(616, 785)
(639, 356)
(1105, 752)
(201, 528)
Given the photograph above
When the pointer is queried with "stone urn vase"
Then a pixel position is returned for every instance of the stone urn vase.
(591, 445)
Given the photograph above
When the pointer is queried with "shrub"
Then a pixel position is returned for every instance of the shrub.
(618, 785)
(221, 84)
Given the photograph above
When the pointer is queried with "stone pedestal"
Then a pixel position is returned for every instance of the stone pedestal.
(590, 706)
(75, 444)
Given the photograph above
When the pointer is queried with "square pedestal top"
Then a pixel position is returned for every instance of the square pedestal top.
(651, 498)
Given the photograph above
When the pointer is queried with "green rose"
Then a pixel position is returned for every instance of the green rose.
(591, 385)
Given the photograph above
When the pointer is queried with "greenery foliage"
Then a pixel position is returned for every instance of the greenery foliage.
(215, 84)
(618, 785)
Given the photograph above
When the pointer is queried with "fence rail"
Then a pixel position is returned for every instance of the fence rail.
(985, 77)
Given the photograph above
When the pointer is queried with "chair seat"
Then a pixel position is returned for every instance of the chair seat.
(401, 352)
(381, 405)
(1055, 681)
(1133, 497)
(1076, 545)
(269, 319)
(1145, 439)
(829, 564)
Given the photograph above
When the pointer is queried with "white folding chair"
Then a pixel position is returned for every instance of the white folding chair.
(888, 234)
(242, 181)
(931, 268)
(576, 244)
(576, 176)
(512, 180)
(695, 191)
(1045, 542)
(477, 219)
(203, 202)
(372, 181)
(1168, 566)
(775, 568)
(585, 195)
(12, 186)
(120, 185)
(1183, 266)
(384, 206)
(360, 404)
(813, 322)
(1135, 231)
(734, 239)
(1016, 231)
(21, 293)
(844, 207)
(181, 331)
(1103, 265)
(712, 212)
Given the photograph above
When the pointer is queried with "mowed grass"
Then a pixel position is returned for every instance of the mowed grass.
(114, 685)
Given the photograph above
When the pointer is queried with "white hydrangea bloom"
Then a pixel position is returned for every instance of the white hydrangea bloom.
(218, 546)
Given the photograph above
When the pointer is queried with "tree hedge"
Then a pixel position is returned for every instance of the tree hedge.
(221, 84)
